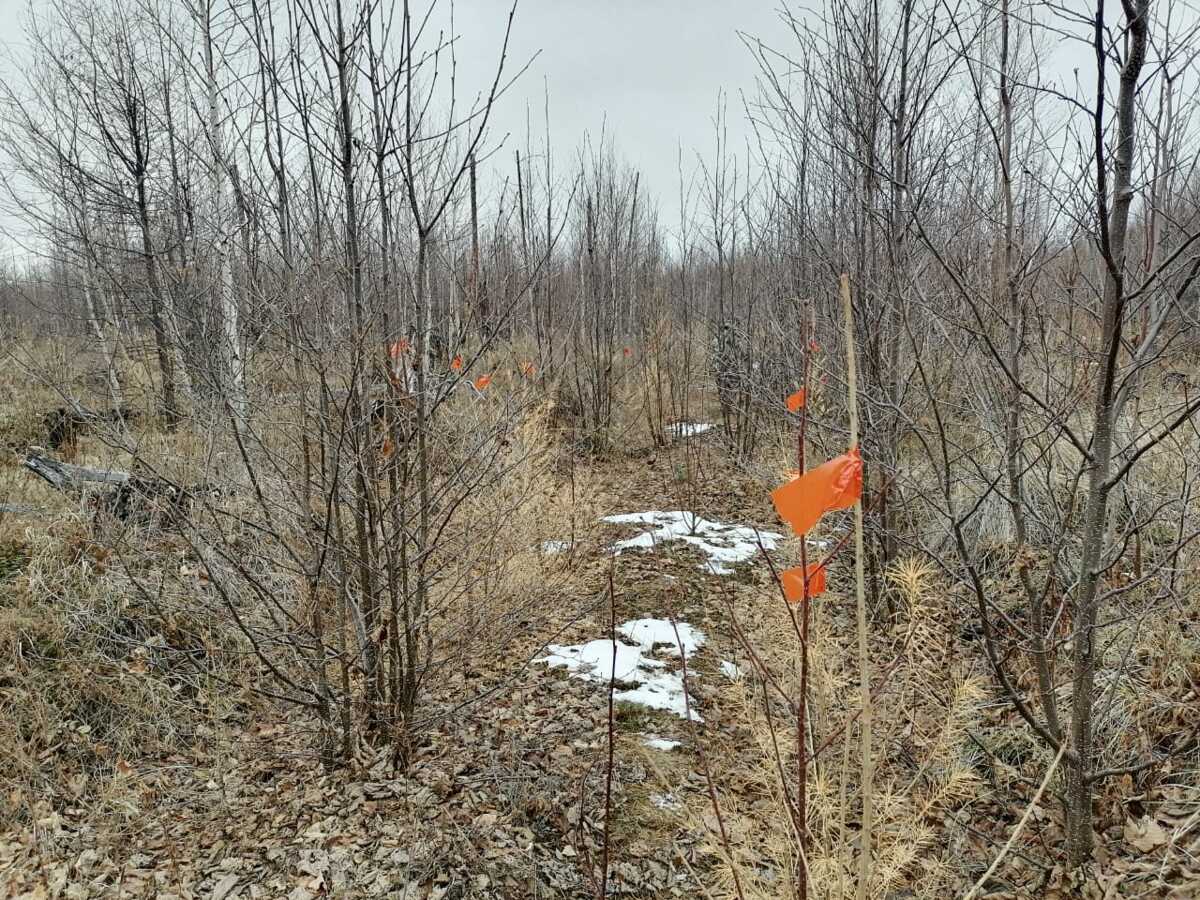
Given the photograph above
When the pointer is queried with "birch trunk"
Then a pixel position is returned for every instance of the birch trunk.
(232, 367)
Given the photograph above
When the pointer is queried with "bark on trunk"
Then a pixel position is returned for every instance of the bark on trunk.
(1115, 226)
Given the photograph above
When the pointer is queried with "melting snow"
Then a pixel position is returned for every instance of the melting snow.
(724, 544)
(660, 691)
(651, 633)
(550, 547)
(654, 742)
(688, 429)
(731, 671)
(651, 686)
(595, 662)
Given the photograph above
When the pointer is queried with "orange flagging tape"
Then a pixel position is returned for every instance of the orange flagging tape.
(836, 484)
(793, 582)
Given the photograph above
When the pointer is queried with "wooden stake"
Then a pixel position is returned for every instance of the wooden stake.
(802, 713)
(864, 664)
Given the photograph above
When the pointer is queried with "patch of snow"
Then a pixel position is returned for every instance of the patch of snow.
(595, 662)
(551, 547)
(644, 679)
(724, 544)
(731, 670)
(660, 691)
(688, 429)
(654, 742)
(651, 633)
(819, 545)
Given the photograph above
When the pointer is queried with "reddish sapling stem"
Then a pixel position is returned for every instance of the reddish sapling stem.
(612, 683)
(708, 779)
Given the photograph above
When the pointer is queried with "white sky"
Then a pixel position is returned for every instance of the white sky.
(648, 71)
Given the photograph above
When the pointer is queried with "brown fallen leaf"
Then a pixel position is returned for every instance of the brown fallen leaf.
(1145, 834)
(225, 887)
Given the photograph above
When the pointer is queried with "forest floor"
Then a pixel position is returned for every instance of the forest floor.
(505, 795)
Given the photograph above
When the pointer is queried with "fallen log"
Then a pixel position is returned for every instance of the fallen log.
(67, 476)
(20, 509)
(129, 493)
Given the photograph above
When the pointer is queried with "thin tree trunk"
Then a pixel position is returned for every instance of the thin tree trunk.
(232, 368)
(170, 363)
(1114, 230)
(363, 526)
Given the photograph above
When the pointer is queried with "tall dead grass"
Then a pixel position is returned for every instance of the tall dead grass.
(96, 675)
(925, 702)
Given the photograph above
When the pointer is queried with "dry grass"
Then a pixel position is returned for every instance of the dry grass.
(97, 677)
(116, 648)
(529, 514)
(115, 651)
(923, 765)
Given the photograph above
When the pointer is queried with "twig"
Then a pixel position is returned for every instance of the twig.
(708, 779)
(612, 684)
(864, 666)
(974, 891)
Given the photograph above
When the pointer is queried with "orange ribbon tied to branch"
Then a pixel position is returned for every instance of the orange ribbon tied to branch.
(795, 402)
(793, 582)
(836, 484)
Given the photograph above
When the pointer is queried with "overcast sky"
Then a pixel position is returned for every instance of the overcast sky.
(648, 71)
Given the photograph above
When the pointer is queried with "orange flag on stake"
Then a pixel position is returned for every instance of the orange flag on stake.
(398, 348)
(795, 402)
(527, 369)
(793, 582)
(482, 382)
(456, 364)
(836, 484)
